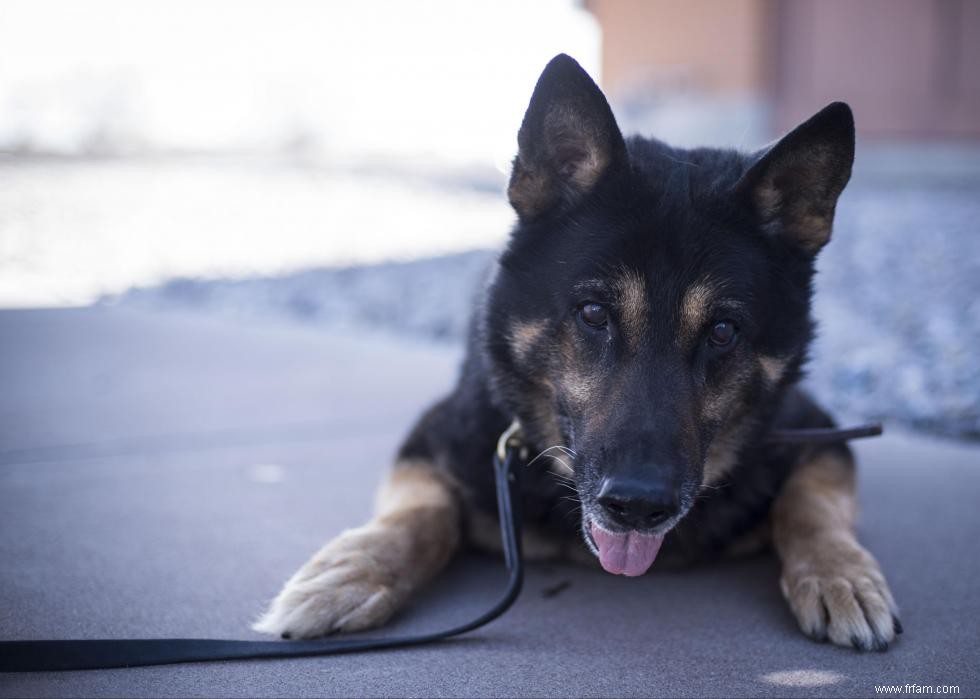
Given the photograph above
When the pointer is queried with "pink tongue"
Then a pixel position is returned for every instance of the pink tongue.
(626, 554)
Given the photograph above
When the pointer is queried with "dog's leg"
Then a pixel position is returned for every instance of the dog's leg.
(358, 580)
(833, 585)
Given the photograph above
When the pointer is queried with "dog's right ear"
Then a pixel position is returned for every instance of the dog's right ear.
(794, 185)
(568, 140)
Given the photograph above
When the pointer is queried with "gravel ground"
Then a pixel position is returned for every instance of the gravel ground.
(898, 303)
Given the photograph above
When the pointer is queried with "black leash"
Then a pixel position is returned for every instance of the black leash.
(32, 656)
(101, 654)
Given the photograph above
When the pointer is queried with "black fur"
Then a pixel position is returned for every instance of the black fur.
(591, 206)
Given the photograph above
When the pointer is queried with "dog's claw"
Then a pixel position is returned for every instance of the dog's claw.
(819, 636)
(897, 625)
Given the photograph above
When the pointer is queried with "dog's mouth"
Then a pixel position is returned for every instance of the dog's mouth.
(629, 553)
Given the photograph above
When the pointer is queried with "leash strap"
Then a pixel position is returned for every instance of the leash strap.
(33, 656)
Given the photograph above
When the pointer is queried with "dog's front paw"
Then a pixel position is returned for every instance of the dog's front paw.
(837, 592)
(348, 586)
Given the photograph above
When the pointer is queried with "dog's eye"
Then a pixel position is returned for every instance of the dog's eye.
(594, 314)
(723, 334)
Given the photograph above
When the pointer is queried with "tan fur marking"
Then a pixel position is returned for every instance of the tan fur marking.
(722, 453)
(811, 230)
(773, 368)
(833, 585)
(695, 308)
(576, 151)
(818, 496)
(530, 192)
(588, 170)
(541, 417)
(727, 401)
(411, 485)
(524, 336)
(579, 387)
(576, 382)
(814, 230)
(631, 298)
(716, 404)
(768, 199)
(358, 580)
(576, 147)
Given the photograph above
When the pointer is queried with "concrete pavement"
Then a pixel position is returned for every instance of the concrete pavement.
(161, 475)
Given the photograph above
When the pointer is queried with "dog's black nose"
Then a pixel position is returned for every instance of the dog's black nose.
(636, 504)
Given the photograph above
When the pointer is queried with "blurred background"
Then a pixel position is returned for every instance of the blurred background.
(342, 164)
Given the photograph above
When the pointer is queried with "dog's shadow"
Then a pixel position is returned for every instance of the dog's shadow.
(725, 593)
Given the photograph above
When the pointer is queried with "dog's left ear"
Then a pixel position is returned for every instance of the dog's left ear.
(568, 140)
(794, 185)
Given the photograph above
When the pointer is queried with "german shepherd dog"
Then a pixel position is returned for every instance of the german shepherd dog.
(646, 326)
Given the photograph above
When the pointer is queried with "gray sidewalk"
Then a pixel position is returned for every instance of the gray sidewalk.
(161, 475)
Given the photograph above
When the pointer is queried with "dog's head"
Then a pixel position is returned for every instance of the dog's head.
(653, 302)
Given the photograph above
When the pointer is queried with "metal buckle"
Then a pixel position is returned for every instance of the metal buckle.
(511, 437)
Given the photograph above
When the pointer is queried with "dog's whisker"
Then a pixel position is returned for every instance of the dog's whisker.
(544, 452)
(560, 460)
(572, 512)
